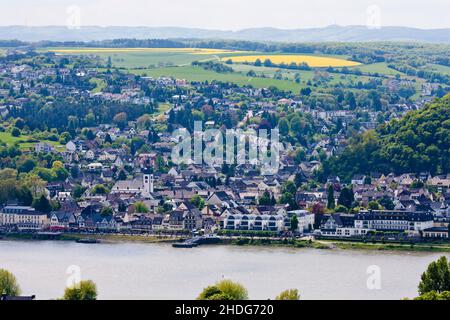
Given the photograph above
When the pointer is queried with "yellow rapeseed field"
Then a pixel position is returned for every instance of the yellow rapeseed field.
(312, 61)
(155, 50)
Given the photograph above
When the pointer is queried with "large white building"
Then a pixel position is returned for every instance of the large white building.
(404, 221)
(23, 218)
(276, 222)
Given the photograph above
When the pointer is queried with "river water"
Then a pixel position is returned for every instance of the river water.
(158, 271)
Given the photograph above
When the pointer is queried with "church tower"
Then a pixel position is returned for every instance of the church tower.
(148, 182)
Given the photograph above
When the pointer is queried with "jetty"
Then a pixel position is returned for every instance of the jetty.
(197, 241)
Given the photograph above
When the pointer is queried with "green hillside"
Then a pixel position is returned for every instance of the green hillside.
(419, 142)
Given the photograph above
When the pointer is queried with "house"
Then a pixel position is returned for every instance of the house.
(358, 179)
(221, 199)
(339, 225)
(305, 220)
(43, 147)
(62, 221)
(71, 146)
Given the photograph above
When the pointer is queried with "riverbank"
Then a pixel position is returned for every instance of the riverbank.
(253, 242)
(104, 238)
(343, 245)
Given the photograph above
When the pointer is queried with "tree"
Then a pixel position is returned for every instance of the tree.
(435, 296)
(290, 187)
(99, 189)
(436, 277)
(288, 198)
(283, 126)
(374, 205)
(42, 204)
(140, 207)
(15, 132)
(122, 176)
(387, 203)
(346, 197)
(26, 165)
(198, 201)
(265, 199)
(106, 211)
(85, 290)
(24, 196)
(8, 283)
(294, 223)
(224, 290)
(341, 209)
(330, 198)
(64, 137)
(291, 294)
(78, 191)
(120, 120)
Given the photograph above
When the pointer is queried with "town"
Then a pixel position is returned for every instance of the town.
(87, 148)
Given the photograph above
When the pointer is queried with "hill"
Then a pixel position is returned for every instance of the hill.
(418, 142)
(327, 34)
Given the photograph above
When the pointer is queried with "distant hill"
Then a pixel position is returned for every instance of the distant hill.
(330, 33)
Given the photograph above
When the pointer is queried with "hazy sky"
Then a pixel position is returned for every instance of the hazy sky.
(228, 14)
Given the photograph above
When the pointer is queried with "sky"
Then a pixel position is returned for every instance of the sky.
(227, 14)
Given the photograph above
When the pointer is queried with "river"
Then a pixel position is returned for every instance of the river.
(158, 271)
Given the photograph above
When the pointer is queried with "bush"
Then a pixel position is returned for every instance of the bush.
(291, 294)
(15, 132)
(8, 283)
(224, 290)
(85, 290)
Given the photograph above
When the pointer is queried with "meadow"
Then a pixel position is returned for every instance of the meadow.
(24, 141)
(198, 74)
(380, 68)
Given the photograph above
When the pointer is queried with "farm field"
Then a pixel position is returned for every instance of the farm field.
(176, 62)
(312, 61)
(305, 75)
(147, 57)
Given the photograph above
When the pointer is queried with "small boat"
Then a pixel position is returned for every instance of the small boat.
(88, 241)
(184, 245)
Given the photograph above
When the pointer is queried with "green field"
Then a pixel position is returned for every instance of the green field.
(100, 84)
(198, 74)
(381, 68)
(121, 58)
(439, 68)
(23, 141)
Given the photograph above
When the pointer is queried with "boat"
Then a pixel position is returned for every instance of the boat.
(88, 241)
(184, 245)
